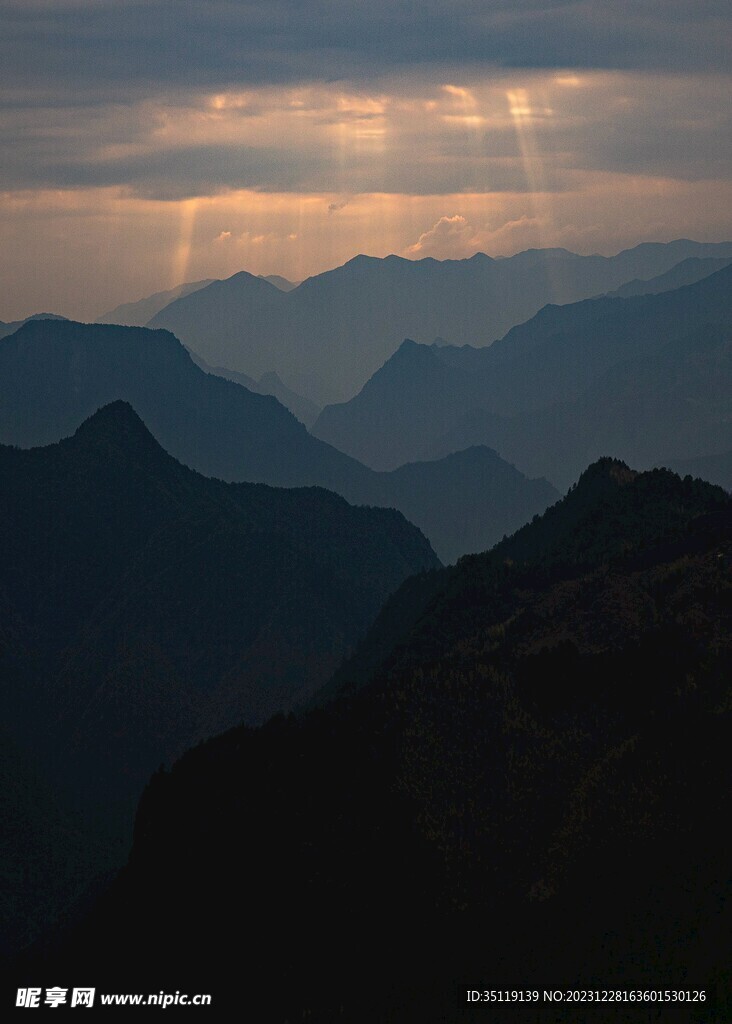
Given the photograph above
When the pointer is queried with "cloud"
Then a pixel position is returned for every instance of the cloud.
(84, 251)
(449, 238)
(456, 238)
(154, 45)
(115, 113)
(412, 137)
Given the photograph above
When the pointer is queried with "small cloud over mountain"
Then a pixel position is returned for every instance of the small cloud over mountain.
(457, 238)
(450, 237)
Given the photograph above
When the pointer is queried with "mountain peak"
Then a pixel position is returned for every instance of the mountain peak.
(116, 423)
(410, 349)
(244, 277)
(46, 316)
(410, 356)
(601, 480)
(360, 259)
(608, 469)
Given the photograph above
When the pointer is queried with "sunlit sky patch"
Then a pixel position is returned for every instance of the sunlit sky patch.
(146, 144)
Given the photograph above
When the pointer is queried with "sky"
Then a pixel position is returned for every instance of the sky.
(149, 142)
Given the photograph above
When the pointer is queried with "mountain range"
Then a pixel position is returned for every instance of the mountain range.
(137, 314)
(644, 377)
(687, 272)
(146, 607)
(518, 787)
(54, 374)
(328, 335)
(717, 469)
(268, 384)
(395, 782)
(12, 327)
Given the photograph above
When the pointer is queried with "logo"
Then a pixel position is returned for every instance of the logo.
(29, 998)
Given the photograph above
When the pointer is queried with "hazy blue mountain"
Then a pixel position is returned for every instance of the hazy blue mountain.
(137, 314)
(399, 414)
(331, 333)
(146, 607)
(268, 384)
(12, 327)
(686, 272)
(467, 501)
(563, 348)
(279, 282)
(645, 377)
(53, 375)
(300, 407)
(540, 755)
(673, 401)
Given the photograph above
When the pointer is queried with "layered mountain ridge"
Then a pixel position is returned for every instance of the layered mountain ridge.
(55, 374)
(399, 781)
(146, 607)
(643, 377)
(330, 334)
(540, 745)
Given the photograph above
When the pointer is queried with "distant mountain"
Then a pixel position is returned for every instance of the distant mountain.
(137, 314)
(279, 282)
(12, 327)
(268, 384)
(398, 416)
(331, 333)
(672, 400)
(53, 375)
(301, 408)
(524, 781)
(645, 377)
(146, 607)
(466, 501)
(686, 272)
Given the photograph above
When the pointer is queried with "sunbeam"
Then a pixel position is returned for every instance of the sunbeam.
(182, 254)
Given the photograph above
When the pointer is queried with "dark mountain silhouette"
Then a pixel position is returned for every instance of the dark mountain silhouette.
(268, 384)
(137, 314)
(529, 786)
(146, 607)
(610, 513)
(687, 272)
(49, 853)
(98, 517)
(716, 469)
(331, 333)
(53, 375)
(645, 377)
(12, 327)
